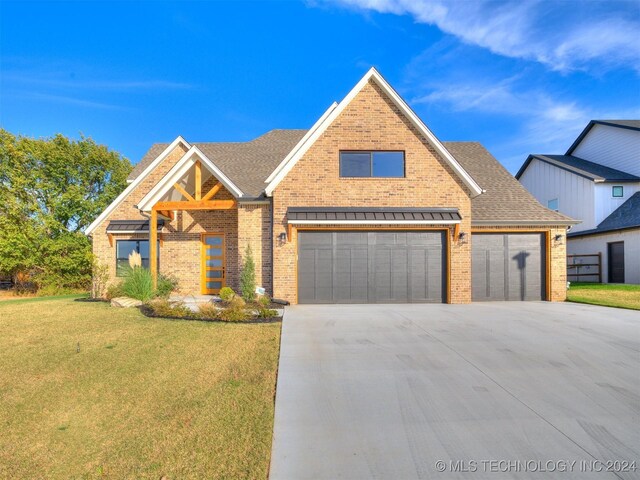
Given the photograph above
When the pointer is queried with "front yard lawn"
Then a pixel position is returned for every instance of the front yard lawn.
(609, 295)
(143, 398)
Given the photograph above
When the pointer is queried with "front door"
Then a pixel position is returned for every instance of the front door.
(616, 262)
(213, 264)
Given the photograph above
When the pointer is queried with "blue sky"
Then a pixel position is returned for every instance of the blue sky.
(520, 77)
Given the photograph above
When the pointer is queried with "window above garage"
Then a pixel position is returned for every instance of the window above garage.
(380, 164)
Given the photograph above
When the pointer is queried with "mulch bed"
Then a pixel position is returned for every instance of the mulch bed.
(148, 312)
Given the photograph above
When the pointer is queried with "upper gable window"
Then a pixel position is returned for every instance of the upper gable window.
(617, 191)
(372, 164)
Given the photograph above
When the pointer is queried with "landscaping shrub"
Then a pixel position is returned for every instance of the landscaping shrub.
(114, 290)
(100, 275)
(267, 313)
(248, 276)
(226, 294)
(208, 311)
(263, 308)
(235, 312)
(161, 307)
(138, 284)
(166, 285)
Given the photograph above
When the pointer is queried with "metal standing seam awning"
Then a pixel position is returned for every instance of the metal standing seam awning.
(131, 226)
(372, 216)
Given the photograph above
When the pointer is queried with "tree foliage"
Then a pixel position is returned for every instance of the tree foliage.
(50, 191)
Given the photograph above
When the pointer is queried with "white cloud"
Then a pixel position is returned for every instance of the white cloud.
(544, 123)
(564, 36)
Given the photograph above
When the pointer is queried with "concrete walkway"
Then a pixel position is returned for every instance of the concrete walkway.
(381, 391)
(193, 301)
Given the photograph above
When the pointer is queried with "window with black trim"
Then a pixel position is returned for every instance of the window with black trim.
(124, 248)
(382, 164)
(617, 191)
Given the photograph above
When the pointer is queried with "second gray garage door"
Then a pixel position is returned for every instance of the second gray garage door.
(371, 267)
(508, 266)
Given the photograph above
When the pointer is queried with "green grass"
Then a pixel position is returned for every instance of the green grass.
(144, 398)
(18, 300)
(609, 295)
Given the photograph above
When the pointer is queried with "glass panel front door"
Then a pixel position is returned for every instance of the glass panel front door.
(213, 269)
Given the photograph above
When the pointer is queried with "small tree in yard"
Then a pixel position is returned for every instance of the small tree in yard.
(248, 276)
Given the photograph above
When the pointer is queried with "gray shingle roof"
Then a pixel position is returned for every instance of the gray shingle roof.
(505, 200)
(372, 214)
(592, 171)
(247, 164)
(625, 216)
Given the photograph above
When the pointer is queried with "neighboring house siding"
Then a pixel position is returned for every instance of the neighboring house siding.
(605, 203)
(370, 122)
(598, 243)
(614, 147)
(575, 194)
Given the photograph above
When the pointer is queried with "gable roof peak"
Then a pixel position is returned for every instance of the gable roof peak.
(336, 109)
(627, 124)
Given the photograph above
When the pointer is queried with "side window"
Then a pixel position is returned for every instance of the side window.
(124, 248)
(553, 204)
(617, 191)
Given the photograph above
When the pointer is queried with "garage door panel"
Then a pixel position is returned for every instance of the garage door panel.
(488, 268)
(525, 272)
(399, 278)
(374, 266)
(508, 267)
(351, 238)
(426, 267)
(315, 280)
(351, 274)
(381, 285)
(426, 239)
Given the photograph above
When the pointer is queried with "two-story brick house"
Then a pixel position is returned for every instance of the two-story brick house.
(366, 206)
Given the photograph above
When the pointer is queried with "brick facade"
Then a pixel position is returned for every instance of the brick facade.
(254, 229)
(370, 122)
(180, 250)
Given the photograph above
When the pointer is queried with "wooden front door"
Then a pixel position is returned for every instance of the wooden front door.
(213, 263)
(616, 262)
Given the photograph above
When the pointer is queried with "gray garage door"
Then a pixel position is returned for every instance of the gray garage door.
(371, 267)
(508, 266)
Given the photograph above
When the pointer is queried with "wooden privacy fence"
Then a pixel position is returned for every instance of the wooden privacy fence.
(584, 267)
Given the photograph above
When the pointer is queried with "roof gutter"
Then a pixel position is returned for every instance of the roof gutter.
(523, 223)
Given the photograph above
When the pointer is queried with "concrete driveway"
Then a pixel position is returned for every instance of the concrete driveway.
(499, 390)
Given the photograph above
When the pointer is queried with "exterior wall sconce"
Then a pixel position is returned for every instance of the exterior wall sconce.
(462, 238)
(558, 239)
(282, 238)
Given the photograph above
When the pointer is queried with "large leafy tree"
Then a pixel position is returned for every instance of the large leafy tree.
(50, 190)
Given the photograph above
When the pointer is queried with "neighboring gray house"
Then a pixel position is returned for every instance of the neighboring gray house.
(596, 181)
